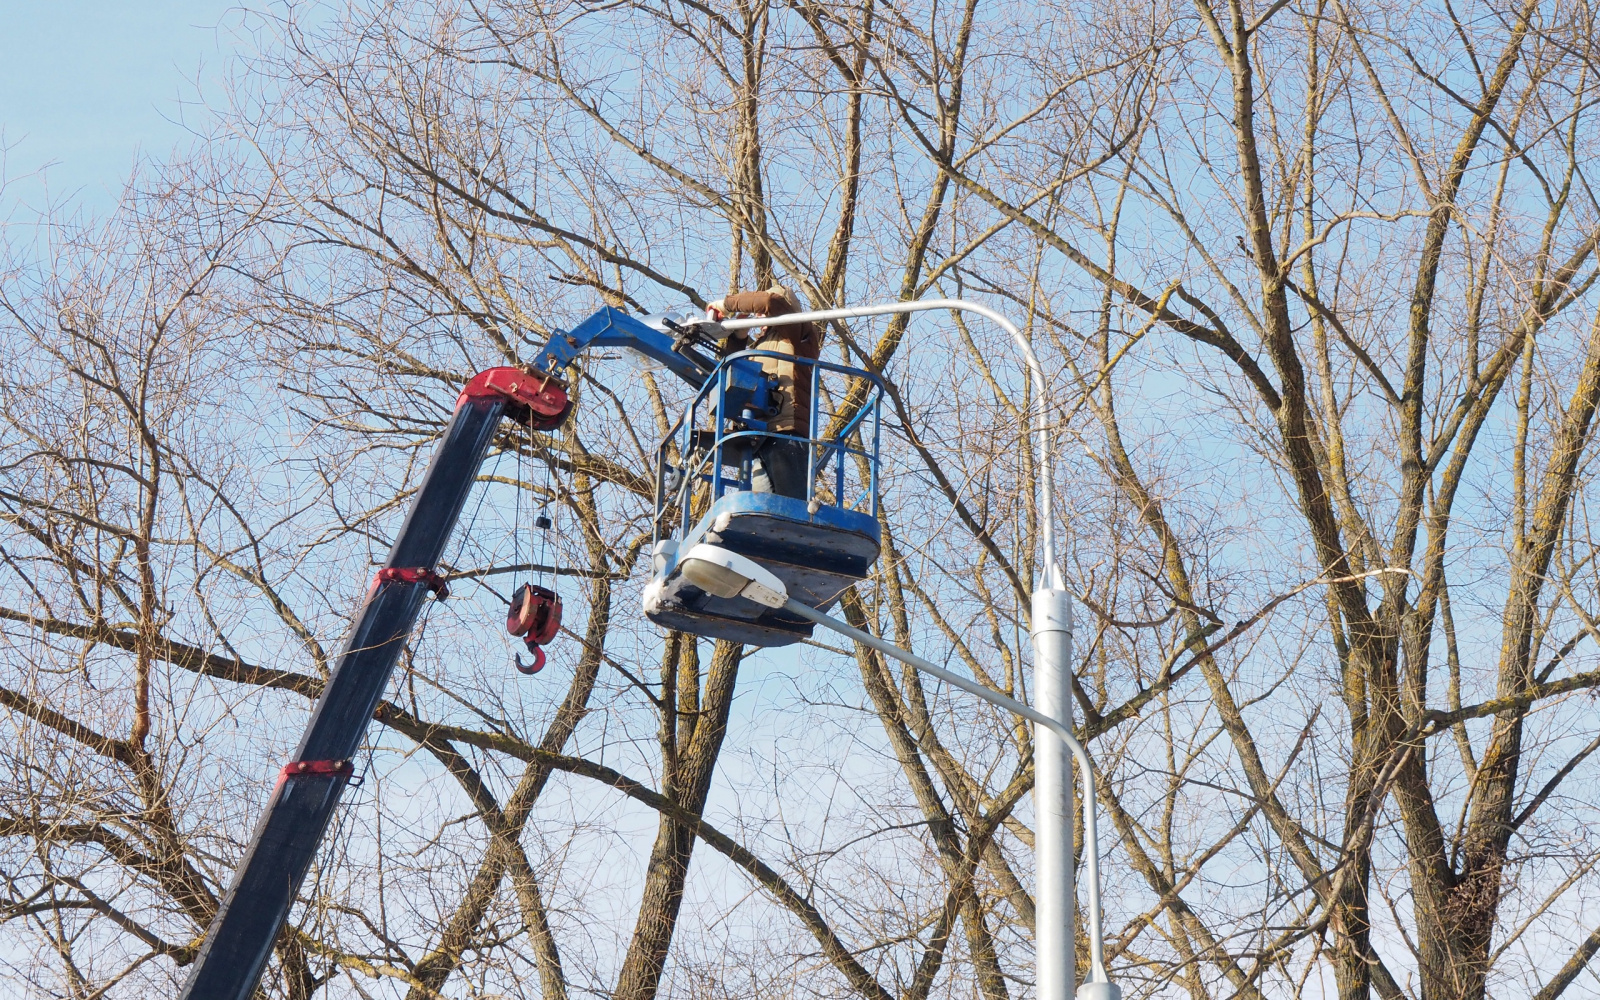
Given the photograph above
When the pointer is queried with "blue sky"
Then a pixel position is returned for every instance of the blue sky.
(86, 86)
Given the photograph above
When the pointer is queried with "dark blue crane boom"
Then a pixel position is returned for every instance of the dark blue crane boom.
(246, 925)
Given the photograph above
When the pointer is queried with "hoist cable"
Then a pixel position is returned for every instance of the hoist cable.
(546, 527)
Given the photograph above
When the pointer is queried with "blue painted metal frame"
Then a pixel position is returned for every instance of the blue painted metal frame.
(722, 388)
(615, 328)
(747, 387)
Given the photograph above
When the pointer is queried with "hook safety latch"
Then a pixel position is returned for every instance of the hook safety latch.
(418, 574)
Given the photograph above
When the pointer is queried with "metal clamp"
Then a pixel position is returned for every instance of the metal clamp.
(337, 768)
(419, 574)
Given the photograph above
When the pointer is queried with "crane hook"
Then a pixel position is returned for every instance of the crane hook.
(538, 660)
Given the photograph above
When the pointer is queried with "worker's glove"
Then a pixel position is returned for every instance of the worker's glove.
(715, 310)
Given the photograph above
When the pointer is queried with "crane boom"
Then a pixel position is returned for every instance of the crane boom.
(252, 913)
(246, 925)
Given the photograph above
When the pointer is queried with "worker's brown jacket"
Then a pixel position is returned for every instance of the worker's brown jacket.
(799, 339)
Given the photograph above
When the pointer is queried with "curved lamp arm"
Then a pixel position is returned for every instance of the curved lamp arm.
(1050, 572)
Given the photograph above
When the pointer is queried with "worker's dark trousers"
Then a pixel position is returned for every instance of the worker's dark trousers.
(780, 467)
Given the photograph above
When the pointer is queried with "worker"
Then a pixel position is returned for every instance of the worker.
(780, 463)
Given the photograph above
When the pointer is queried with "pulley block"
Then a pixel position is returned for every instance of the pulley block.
(535, 614)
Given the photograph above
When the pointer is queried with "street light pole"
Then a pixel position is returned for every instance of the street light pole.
(1051, 631)
(1055, 894)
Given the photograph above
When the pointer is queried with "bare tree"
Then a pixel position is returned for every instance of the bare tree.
(1317, 284)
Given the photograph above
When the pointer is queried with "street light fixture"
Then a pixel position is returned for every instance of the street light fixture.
(1052, 667)
(726, 574)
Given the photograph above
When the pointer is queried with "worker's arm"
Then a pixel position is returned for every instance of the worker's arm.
(760, 303)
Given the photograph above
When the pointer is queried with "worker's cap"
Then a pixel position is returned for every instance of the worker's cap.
(786, 295)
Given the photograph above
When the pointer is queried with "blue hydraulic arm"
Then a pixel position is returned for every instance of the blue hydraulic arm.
(668, 343)
(673, 339)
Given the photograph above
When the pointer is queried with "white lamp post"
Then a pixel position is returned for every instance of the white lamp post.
(1052, 667)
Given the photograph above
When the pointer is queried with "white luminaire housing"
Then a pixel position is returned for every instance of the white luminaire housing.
(722, 573)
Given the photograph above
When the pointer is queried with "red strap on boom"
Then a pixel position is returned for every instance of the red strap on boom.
(340, 768)
(419, 574)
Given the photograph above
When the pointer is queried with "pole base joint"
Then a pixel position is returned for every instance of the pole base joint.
(1052, 612)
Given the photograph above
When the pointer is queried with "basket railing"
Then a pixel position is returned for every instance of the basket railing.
(723, 459)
